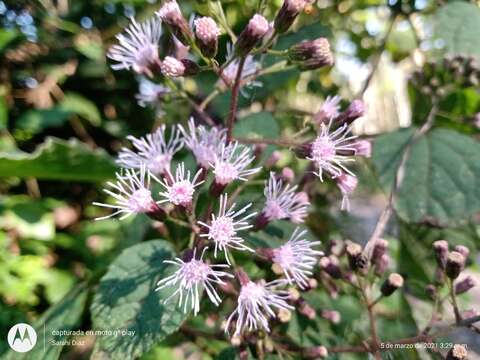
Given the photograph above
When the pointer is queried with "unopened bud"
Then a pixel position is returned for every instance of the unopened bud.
(355, 110)
(273, 159)
(288, 174)
(379, 250)
(431, 291)
(332, 315)
(363, 148)
(457, 352)
(311, 54)
(382, 265)
(331, 266)
(156, 212)
(172, 67)
(455, 264)
(303, 151)
(171, 15)
(393, 282)
(257, 27)
(316, 352)
(207, 32)
(284, 315)
(462, 250)
(356, 258)
(441, 252)
(306, 310)
(464, 285)
(287, 14)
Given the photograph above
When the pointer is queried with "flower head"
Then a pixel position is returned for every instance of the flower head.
(138, 47)
(131, 193)
(172, 67)
(207, 32)
(171, 15)
(150, 93)
(224, 227)
(287, 14)
(347, 184)
(153, 150)
(256, 303)
(312, 54)
(330, 110)
(297, 258)
(231, 163)
(329, 150)
(203, 142)
(191, 275)
(282, 202)
(179, 191)
(257, 27)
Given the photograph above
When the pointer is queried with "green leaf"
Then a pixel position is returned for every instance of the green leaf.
(458, 25)
(58, 159)
(77, 104)
(3, 113)
(35, 121)
(64, 316)
(441, 182)
(126, 300)
(6, 36)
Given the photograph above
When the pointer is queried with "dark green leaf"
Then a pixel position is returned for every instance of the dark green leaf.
(58, 159)
(77, 104)
(35, 121)
(126, 300)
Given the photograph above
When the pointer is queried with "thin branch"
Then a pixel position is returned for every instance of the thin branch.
(234, 101)
(279, 142)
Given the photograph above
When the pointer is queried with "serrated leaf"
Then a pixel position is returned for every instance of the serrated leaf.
(458, 25)
(441, 182)
(58, 159)
(64, 315)
(126, 300)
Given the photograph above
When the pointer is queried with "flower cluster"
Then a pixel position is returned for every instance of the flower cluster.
(157, 184)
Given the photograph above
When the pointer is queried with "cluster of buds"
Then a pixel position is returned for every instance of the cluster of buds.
(450, 263)
(440, 78)
(311, 54)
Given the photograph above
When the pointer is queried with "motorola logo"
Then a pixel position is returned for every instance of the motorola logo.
(22, 337)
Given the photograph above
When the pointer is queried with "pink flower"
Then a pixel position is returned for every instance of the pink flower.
(179, 191)
(258, 25)
(152, 150)
(190, 277)
(282, 202)
(206, 29)
(138, 47)
(131, 193)
(363, 148)
(231, 163)
(256, 303)
(204, 143)
(172, 67)
(347, 184)
(329, 150)
(330, 110)
(297, 258)
(223, 228)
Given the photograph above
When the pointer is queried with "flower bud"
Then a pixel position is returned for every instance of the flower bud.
(316, 352)
(393, 282)
(306, 310)
(455, 264)
(431, 291)
(355, 110)
(172, 67)
(363, 148)
(464, 285)
(156, 212)
(457, 352)
(379, 250)
(287, 14)
(462, 250)
(441, 252)
(288, 175)
(171, 15)
(303, 151)
(347, 184)
(311, 54)
(293, 294)
(332, 315)
(331, 266)
(357, 260)
(257, 27)
(273, 159)
(207, 32)
(382, 264)
(284, 315)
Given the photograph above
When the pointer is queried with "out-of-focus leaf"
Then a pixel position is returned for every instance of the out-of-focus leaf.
(3, 113)
(441, 182)
(64, 315)
(35, 121)
(458, 25)
(126, 300)
(58, 159)
(77, 104)
(6, 36)
(90, 47)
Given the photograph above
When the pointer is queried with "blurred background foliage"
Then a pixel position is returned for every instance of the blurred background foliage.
(64, 114)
